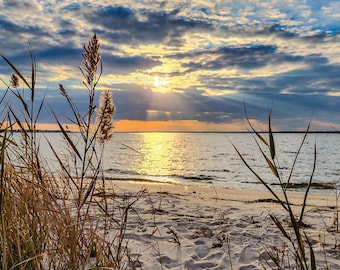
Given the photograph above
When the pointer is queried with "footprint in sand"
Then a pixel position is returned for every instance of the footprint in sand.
(202, 251)
(248, 255)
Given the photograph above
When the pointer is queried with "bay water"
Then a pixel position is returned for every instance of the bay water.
(210, 159)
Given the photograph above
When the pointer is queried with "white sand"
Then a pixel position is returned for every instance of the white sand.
(194, 227)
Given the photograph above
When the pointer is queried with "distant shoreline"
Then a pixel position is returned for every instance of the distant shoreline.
(229, 132)
(221, 132)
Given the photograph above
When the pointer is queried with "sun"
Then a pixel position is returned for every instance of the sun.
(160, 84)
(156, 81)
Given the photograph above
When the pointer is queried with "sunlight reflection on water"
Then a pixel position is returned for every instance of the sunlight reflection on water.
(159, 156)
(209, 158)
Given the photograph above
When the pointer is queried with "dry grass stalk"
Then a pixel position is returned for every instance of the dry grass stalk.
(55, 221)
(86, 159)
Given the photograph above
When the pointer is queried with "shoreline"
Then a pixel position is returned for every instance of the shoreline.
(212, 192)
(323, 189)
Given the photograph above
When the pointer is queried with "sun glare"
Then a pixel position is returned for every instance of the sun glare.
(158, 154)
(156, 81)
(160, 84)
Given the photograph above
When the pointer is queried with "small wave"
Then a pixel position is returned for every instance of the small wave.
(297, 186)
(116, 174)
(121, 172)
(134, 179)
(305, 185)
(221, 170)
(200, 177)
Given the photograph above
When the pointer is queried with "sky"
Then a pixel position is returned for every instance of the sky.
(184, 65)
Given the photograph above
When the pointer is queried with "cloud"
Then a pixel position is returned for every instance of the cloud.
(245, 57)
(123, 24)
(127, 64)
(210, 56)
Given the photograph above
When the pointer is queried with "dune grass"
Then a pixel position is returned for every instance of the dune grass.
(68, 219)
(301, 251)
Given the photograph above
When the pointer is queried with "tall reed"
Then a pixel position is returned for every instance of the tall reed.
(86, 159)
(62, 220)
(299, 241)
(26, 187)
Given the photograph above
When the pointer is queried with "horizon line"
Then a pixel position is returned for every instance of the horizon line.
(183, 131)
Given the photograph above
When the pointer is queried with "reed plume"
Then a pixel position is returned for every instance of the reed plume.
(14, 81)
(91, 60)
(105, 114)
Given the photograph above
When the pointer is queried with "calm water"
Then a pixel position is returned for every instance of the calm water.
(209, 158)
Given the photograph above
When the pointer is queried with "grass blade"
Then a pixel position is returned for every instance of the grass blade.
(253, 129)
(299, 240)
(88, 191)
(270, 164)
(33, 74)
(25, 261)
(259, 178)
(39, 109)
(312, 255)
(297, 155)
(279, 225)
(22, 128)
(23, 103)
(16, 71)
(271, 141)
(62, 165)
(67, 137)
(308, 187)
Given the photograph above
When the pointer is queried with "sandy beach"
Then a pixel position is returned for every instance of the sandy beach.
(201, 227)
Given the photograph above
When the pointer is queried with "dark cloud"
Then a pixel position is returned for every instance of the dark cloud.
(127, 64)
(59, 55)
(318, 35)
(145, 26)
(71, 56)
(15, 37)
(67, 54)
(66, 32)
(314, 79)
(290, 33)
(245, 57)
(250, 57)
(67, 29)
(9, 27)
(73, 7)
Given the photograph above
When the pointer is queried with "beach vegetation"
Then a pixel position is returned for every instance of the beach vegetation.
(300, 245)
(60, 218)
